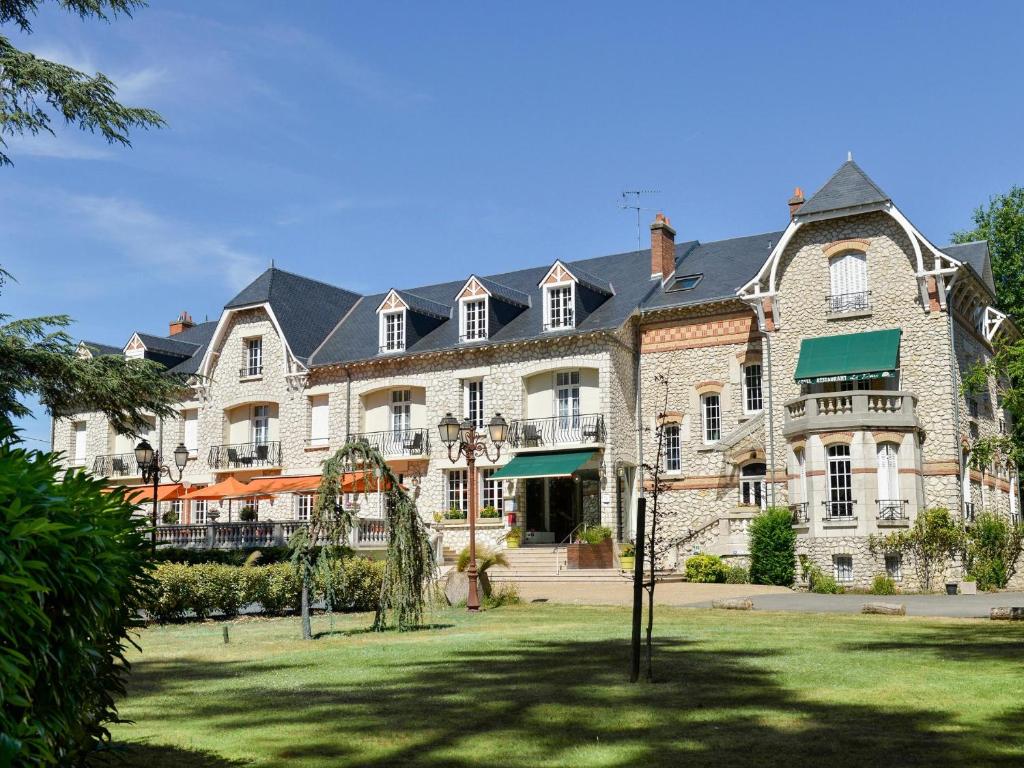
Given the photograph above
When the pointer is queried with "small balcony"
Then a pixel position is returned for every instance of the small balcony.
(801, 516)
(858, 303)
(892, 512)
(116, 465)
(584, 429)
(250, 372)
(839, 511)
(856, 409)
(245, 456)
(397, 442)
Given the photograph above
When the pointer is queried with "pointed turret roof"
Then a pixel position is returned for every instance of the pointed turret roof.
(849, 187)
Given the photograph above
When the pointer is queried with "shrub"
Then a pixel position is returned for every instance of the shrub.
(931, 542)
(455, 514)
(773, 548)
(503, 594)
(595, 534)
(489, 513)
(170, 517)
(822, 583)
(268, 555)
(737, 574)
(883, 585)
(74, 564)
(706, 569)
(220, 587)
(993, 549)
(247, 514)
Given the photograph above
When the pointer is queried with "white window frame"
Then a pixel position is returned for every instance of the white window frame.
(401, 412)
(319, 419)
(711, 417)
(492, 492)
(304, 506)
(753, 389)
(80, 442)
(260, 425)
(177, 506)
(840, 483)
(566, 317)
(567, 391)
(392, 340)
(848, 273)
(198, 510)
(473, 394)
(474, 319)
(842, 568)
(801, 463)
(457, 490)
(254, 356)
(888, 475)
(754, 487)
(190, 430)
(672, 458)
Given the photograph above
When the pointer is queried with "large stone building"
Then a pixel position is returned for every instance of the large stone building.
(817, 367)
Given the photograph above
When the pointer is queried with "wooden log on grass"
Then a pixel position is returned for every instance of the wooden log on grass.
(1007, 613)
(885, 609)
(734, 604)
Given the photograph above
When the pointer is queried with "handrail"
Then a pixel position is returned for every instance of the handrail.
(557, 430)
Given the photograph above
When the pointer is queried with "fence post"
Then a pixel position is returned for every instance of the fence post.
(210, 537)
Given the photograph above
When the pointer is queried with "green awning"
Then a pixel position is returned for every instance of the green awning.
(543, 465)
(850, 357)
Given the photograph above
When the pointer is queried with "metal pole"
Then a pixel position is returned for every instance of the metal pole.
(473, 599)
(156, 485)
(638, 588)
(771, 417)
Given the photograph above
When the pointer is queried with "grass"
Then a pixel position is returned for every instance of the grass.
(537, 685)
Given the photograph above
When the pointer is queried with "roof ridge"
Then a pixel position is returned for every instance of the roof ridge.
(312, 280)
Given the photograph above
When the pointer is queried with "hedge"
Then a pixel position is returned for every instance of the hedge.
(706, 569)
(773, 548)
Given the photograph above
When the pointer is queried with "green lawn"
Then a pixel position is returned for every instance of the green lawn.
(543, 685)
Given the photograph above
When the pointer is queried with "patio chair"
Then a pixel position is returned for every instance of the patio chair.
(235, 460)
(262, 453)
(414, 445)
(531, 436)
(591, 432)
(120, 466)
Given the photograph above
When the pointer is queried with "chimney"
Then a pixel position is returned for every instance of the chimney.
(663, 247)
(796, 201)
(183, 322)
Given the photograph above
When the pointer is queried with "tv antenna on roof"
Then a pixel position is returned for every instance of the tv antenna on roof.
(631, 201)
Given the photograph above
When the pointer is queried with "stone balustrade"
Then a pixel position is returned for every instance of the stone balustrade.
(366, 533)
(857, 409)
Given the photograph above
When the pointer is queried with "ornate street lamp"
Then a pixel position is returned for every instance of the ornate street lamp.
(152, 470)
(463, 440)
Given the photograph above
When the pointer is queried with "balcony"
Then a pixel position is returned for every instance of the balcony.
(245, 456)
(892, 512)
(116, 465)
(856, 409)
(586, 428)
(849, 303)
(839, 511)
(250, 372)
(800, 514)
(397, 442)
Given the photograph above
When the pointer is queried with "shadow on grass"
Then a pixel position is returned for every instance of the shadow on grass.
(976, 642)
(552, 701)
(372, 631)
(135, 754)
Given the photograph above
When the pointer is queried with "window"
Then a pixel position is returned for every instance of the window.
(752, 485)
(972, 407)
(492, 492)
(801, 468)
(254, 356)
(319, 419)
(861, 385)
(567, 399)
(559, 307)
(474, 319)
(176, 507)
(711, 415)
(304, 506)
(671, 448)
(199, 512)
(842, 567)
(752, 398)
(458, 490)
(840, 482)
(848, 275)
(190, 430)
(894, 566)
(685, 283)
(1014, 500)
(474, 402)
(392, 335)
(79, 445)
(260, 423)
(401, 412)
(888, 482)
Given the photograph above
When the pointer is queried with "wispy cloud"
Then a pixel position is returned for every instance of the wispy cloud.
(63, 145)
(132, 84)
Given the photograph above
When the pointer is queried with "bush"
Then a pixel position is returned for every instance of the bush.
(74, 564)
(883, 585)
(595, 534)
(706, 569)
(247, 514)
(822, 583)
(993, 548)
(455, 514)
(737, 574)
(503, 594)
(268, 555)
(773, 548)
(170, 517)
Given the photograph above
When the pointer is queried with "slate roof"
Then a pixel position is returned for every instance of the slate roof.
(424, 306)
(592, 282)
(848, 187)
(975, 255)
(199, 335)
(503, 292)
(103, 349)
(175, 345)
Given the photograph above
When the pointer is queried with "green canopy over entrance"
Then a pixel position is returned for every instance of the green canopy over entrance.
(849, 357)
(544, 465)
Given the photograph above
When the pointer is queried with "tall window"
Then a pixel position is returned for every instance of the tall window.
(711, 417)
(254, 356)
(79, 446)
(752, 485)
(176, 507)
(458, 490)
(1014, 500)
(199, 512)
(304, 506)
(894, 566)
(393, 331)
(848, 274)
(753, 401)
(842, 567)
(670, 447)
(474, 397)
(801, 471)
(567, 399)
(492, 492)
(889, 505)
(319, 419)
(260, 423)
(474, 319)
(401, 411)
(840, 482)
(560, 306)
(190, 429)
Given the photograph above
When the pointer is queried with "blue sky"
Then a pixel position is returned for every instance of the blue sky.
(380, 144)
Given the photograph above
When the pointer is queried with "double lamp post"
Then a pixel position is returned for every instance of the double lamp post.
(152, 470)
(463, 440)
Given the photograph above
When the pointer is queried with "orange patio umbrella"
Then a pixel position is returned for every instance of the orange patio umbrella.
(140, 495)
(229, 488)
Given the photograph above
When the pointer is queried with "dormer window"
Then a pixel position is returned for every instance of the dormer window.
(392, 331)
(570, 295)
(558, 307)
(474, 319)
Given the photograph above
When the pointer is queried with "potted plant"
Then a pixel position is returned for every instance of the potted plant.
(513, 538)
(489, 513)
(247, 514)
(627, 556)
(455, 514)
(592, 549)
(170, 517)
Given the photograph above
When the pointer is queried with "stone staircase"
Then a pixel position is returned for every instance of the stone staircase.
(548, 563)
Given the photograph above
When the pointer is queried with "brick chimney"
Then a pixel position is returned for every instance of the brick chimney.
(796, 201)
(183, 322)
(663, 247)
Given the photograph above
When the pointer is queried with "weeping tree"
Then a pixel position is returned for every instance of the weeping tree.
(319, 546)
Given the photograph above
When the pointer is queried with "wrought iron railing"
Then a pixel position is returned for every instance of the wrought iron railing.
(116, 465)
(556, 430)
(892, 509)
(799, 513)
(245, 455)
(250, 371)
(849, 302)
(396, 442)
(839, 510)
(969, 511)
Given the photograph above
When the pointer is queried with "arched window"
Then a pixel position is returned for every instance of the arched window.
(890, 507)
(848, 273)
(752, 486)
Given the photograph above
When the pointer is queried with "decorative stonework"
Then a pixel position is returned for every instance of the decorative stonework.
(691, 333)
(710, 385)
(843, 246)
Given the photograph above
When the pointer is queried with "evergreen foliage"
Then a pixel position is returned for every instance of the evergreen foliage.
(992, 551)
(706, 569)
(773, 548)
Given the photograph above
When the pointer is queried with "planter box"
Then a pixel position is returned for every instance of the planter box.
(583, 556)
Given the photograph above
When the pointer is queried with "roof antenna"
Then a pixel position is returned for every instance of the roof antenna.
(849, 156)
(633, 196)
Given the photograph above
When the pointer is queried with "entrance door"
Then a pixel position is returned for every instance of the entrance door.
(536, 517)
(562, 505)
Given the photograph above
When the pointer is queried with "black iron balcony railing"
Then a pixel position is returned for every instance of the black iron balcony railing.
(245, 455)
(397, 442)
(556, 430)
(799, 513)
(250, 371)
(849, 302)
(839, 510)
(116, 465)
(969, 511)
(892, 510)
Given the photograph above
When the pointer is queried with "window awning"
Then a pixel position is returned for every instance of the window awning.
(849, 357)
(544, 465)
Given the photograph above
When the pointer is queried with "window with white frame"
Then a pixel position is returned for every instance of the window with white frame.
(79, 446)
(492, 492)
(199, 508)
(1014, 499)
(304, 506)
(190, 429)
(567, 399)
(801, 474)
(458, 490)
(848, 275)
(401, 412)
(671, 448)
(889, 504)
(176, 507)
(842, 568)
(319, 419)
(840, 482)
(254, 356)
(260, 424)
(753, 485)
(711, 417)
(753, 400)
(392, 331)
(894, 566)
(558, 301)
(474, 319)
(473, 396)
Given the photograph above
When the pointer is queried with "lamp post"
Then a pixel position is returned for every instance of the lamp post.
(463, 440)
(151, 470)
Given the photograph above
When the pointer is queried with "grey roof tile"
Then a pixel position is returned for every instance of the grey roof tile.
(103, 349)
(503, 292)
(425, 306)
(174, 345)
(848, 187)
(976, 255)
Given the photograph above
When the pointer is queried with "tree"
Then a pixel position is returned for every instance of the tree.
(773, 548)
(992, 550)
(33, 91)
(932, 542)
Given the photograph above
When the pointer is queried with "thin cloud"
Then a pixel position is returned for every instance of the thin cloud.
(63, 145)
